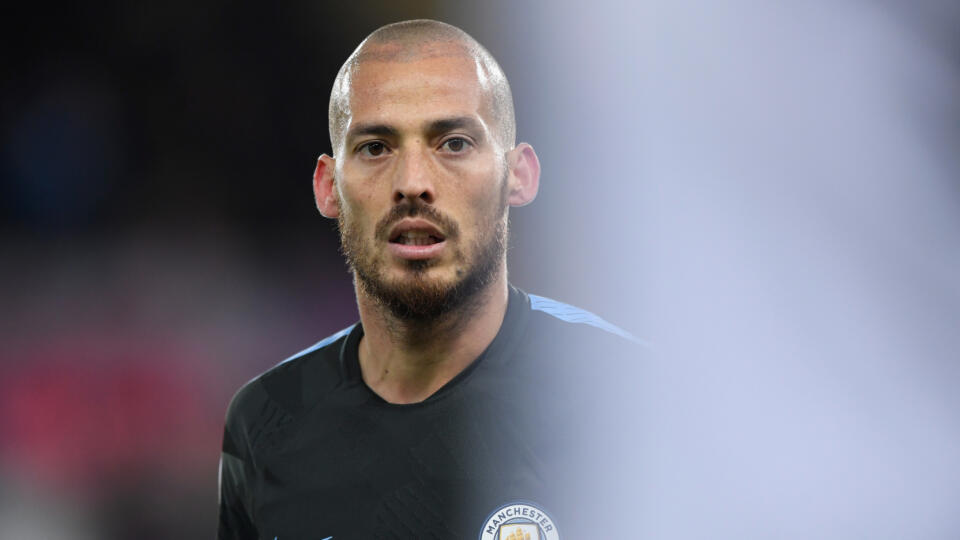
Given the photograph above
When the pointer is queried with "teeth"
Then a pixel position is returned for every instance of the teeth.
(416, 238)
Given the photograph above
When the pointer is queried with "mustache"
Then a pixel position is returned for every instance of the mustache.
(417, 209)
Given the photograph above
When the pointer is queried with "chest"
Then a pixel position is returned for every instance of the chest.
(432, 471)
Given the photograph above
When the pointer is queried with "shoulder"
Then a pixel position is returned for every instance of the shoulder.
(283, 391)
(587, 367)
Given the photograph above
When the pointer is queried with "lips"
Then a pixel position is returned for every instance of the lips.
(415, 232)
(416, 239)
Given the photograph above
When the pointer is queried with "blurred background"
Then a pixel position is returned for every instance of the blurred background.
(768, 193)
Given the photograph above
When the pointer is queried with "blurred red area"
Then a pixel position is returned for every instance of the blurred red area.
(118, 360)
(80, 412)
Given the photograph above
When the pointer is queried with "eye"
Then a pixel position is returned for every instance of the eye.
(455, 145)
(372, 149)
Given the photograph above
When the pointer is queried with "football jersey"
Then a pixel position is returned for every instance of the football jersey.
(510, 448)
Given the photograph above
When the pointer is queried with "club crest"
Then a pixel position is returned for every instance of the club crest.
(519, 521)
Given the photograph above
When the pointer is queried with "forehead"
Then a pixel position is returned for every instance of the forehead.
(439, 84)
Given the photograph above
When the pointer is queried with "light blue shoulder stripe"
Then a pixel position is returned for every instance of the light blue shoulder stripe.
(573, 314)
(322, 343)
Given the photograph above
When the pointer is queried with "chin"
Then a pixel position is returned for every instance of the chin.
(417, 277)
(423, 294)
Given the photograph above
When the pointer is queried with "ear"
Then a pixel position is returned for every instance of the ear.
(524, 177)
(324, 190)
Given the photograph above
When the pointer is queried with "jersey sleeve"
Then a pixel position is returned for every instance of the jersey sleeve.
(236, 471)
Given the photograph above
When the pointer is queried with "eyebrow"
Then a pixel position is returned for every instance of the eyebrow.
(377, 130)
(444, 125)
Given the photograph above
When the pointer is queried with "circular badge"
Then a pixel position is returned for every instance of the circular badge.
(519, 521)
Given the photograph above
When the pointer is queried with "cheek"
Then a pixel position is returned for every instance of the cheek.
(359, 226)
(484, 211)
(357, 209)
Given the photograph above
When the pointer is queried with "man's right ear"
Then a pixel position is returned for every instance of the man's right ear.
(323, 189)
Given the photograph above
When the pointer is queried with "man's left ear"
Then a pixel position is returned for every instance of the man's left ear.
(524, 175)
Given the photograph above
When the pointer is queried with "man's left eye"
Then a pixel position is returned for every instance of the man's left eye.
(455, 145)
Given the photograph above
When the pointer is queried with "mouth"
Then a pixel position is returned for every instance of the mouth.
(416, 239)
(416, 233)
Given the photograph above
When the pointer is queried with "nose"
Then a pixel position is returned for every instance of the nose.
(414, 179)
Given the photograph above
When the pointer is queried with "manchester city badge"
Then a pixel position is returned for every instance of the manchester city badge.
(519, 521)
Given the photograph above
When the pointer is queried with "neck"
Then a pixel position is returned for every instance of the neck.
(407, 361)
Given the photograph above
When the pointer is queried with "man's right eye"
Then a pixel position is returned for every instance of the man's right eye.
(372, 149)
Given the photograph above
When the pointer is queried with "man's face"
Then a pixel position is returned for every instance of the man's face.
(422, 185)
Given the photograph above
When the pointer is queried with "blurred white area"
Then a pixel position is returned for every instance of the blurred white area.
(27, 514)
(769, 192)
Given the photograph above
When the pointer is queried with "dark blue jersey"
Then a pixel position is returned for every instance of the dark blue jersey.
(508, 446)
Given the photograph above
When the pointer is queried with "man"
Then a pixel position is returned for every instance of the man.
(458, 407)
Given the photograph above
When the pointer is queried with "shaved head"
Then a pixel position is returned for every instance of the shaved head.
(410, 41)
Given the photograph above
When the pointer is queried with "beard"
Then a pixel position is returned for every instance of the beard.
(416, 296)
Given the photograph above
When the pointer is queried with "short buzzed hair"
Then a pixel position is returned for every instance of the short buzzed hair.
(408, 41)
